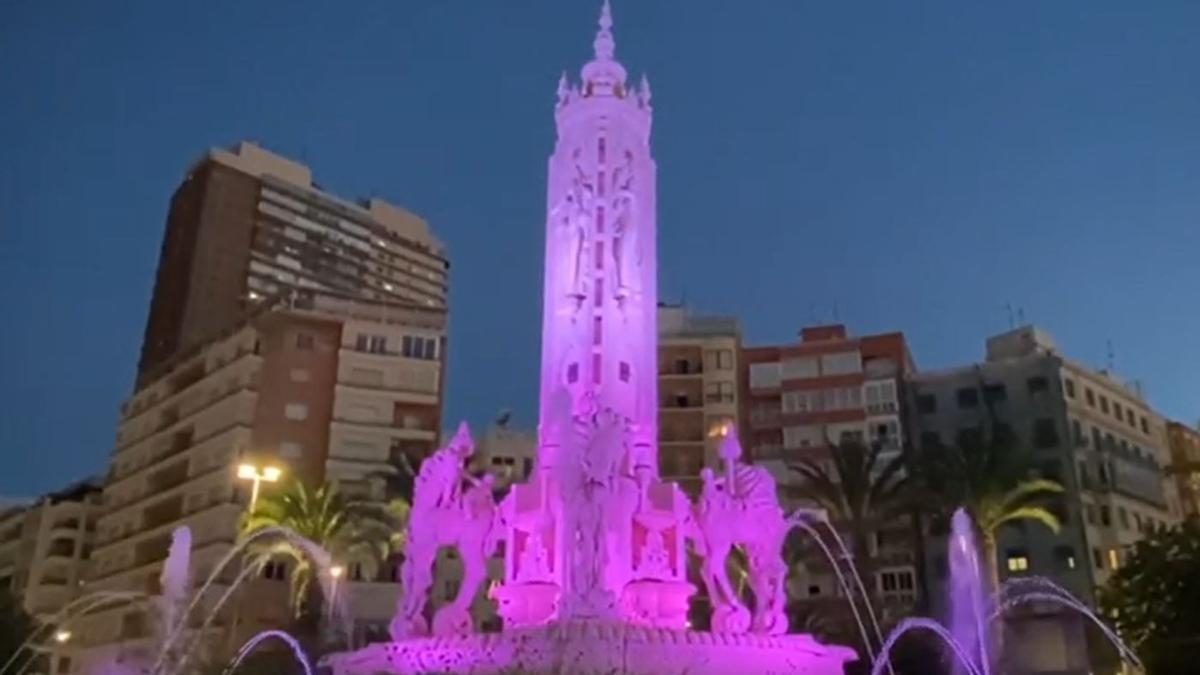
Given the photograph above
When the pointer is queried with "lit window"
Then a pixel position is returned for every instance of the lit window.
(1018, 563)
(1114, 558)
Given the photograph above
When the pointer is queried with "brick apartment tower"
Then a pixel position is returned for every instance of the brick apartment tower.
(831, 387)
(288, 328)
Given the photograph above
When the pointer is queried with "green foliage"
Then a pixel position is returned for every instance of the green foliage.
(1154, 599)
(995, 479)
(349, 530)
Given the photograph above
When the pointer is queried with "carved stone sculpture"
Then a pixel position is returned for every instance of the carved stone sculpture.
(442, 515)
(742, 509)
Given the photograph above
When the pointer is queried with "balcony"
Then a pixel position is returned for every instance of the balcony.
(681, 368)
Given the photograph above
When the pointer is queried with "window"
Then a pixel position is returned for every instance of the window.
(1018, 561)
(1065, 555)
(64, 664)
(1089, 512)
(1105, 516)
(1069, 387)
(1103, 403)
(1118, 412)
(995, 393)
(1045, 433)
(1097, 558)
(275, 570)
(970, 437)
(1114, 558)
(356, 571)
(1130, 417)
(968, 398)
(374, 344)
(1145, 425)
(1077, 433)
(725, 359)
(290, 450)
(1038, 384)
(764, 375)
(304, 341)
(1003, 435)
(926, 404)
(1096, 441)
(299, 375)
(1123, 517)
(1102, 474)
(841, 364)
(1091, 398)
(296, 412)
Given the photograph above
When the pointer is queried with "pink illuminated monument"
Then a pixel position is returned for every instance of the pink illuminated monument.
(595, 544)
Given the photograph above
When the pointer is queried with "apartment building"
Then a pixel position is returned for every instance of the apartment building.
(292, 335)
(697, 390)
(802, 400)
(1184, 443)
(247, 226)
(45, 547)
(45, 551)
(1092, 433)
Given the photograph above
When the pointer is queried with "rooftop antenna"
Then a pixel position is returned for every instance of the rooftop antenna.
(1021, 315)
(1112, 357)
(1012, 321)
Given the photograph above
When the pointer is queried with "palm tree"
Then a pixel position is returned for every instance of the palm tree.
(856, 488)
(349, 530)
(994, 478)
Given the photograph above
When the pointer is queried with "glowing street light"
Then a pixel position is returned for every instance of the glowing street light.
(250, 472)
(62, 636)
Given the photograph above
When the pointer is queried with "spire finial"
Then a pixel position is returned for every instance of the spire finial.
(604, 45)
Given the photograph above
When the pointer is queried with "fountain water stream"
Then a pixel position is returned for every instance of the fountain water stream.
(254, 642)
(976, 616)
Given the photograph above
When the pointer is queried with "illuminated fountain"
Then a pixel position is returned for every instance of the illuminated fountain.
(595, 543)
(977, 616)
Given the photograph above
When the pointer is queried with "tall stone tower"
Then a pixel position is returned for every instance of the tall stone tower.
(599, 312)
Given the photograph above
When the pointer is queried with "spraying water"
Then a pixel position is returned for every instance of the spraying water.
(174, 581)
(252, 644)
(968, 600)
(960, 652)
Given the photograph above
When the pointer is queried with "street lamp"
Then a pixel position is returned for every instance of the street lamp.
(335, 573)
(62, 636)
(250, 472)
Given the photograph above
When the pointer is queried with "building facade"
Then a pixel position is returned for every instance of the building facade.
(697, 389)
(312, 343)
(1184, 442)
(45, 554)
(1091, 433)
(246, 226)
(802, 401)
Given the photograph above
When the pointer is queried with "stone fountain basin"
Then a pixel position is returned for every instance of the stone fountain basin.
(586, 647)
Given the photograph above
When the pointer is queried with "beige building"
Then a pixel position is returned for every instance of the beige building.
(318, 351)
(1184, 442)
(697, 390)
(45, 547)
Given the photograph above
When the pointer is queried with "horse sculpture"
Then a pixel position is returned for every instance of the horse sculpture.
(444, 515)
(741, 509)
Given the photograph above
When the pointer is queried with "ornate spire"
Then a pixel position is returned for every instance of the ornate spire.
(604, 44)
(604, 75)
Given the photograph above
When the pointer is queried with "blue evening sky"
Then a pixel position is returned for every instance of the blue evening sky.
(918, 165)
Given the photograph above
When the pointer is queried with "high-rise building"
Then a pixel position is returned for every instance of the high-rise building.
(697, 390)
(247, 225)
(804, 401)
(1184, 443)
(324, 360)
(1092, 433)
